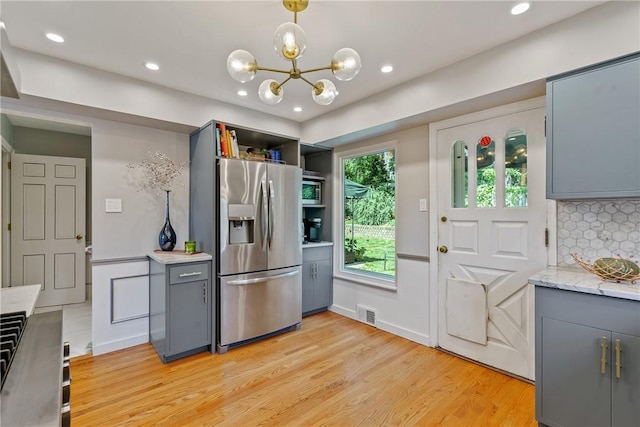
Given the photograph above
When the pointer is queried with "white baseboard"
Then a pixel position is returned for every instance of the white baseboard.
(385, 326)
(108, 347)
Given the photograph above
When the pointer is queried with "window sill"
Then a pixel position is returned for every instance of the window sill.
(361, 279)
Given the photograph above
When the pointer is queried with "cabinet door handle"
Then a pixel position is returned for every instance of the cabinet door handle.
(618, 364)
(603, 355)
(204, 291)
(195, 273)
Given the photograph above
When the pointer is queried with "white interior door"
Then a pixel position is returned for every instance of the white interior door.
(48, 226)
(491, 216)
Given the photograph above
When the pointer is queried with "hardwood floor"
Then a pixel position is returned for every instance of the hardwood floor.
(332, 372)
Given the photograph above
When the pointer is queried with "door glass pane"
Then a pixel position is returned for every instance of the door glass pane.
(460, 180)
(486, 173)
(515, 162)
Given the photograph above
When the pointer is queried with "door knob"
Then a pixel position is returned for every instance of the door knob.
(443, 249)
(79, 236)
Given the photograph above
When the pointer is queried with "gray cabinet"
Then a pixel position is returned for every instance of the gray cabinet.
(180, 308)
(593, 137)
(587, 359)
(317, 279)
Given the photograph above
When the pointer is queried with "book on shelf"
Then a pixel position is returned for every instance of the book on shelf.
(223, 140)
(218, 152)
(235, 149)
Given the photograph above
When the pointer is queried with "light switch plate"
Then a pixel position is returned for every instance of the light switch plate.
(423, 205)
(112, 205)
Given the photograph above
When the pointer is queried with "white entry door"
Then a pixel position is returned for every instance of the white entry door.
(48, 226)
(491, 216)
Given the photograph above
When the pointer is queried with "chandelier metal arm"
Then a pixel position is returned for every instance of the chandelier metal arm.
(274, 70)
(312, 85)
(311, 70)
(282, 84)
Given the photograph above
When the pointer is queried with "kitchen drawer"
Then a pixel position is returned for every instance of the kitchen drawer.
(317, 254)
(188, 273)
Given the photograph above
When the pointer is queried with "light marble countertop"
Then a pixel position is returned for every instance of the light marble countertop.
(19, 298)
(578, 280)
(178, 257)
(316, 244)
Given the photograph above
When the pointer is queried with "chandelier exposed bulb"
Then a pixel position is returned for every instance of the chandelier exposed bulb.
(270, 92)
(324, 92)
(289, 41)
(346, 64)
(242, 65)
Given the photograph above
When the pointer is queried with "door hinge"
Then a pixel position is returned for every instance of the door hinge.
(545, 126)
(9, 165)
(9, 227)
(546, 237)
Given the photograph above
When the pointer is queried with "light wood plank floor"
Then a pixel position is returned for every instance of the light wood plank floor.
(332, 372)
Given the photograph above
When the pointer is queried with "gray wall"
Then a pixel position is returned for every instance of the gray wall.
(134, 232)
(6, 128)
(50, 143)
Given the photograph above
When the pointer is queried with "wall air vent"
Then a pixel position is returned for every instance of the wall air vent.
(366, 315)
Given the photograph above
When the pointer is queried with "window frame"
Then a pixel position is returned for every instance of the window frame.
(339, 270)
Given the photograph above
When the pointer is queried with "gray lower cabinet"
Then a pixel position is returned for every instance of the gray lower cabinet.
(179, 308)
(317, 279)
(587, 359)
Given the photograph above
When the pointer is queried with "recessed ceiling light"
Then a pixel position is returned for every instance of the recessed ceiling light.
(387, 69)
(152, 66)
(55, 37)
(520, 8)
(242, 92)
(297, 109)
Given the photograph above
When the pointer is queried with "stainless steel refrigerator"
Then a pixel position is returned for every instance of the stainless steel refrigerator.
(260, 253)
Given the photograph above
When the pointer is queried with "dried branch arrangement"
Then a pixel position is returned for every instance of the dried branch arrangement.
(158, 172)
(618, 269)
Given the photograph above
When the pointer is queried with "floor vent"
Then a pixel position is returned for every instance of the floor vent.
(366, 315)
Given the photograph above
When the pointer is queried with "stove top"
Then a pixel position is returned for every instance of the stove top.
(12, 326)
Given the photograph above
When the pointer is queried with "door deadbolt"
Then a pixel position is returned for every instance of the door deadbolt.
(443, 249)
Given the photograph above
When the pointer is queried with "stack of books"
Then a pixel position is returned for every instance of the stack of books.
(226, 142)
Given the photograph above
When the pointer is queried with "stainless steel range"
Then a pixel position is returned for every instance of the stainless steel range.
(32, 368)
(12, 326)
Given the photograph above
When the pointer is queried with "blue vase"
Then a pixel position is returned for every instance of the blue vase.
(167, 237)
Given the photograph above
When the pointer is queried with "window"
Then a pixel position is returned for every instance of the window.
(369, 206)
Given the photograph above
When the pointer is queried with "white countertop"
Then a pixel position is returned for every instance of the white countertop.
(316, 244)
(178, 257)
(578, 280)
(19, 298)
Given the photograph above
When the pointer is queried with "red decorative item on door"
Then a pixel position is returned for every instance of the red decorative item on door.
(485, 141)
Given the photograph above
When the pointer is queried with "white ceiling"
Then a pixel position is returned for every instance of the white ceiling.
(191, 40)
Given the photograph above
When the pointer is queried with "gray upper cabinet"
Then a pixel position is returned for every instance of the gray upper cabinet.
(593, 132)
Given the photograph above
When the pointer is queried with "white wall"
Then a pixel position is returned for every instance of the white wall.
(596, 35)
(405, 311)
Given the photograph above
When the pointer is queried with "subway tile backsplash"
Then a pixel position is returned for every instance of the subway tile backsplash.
(599, 228)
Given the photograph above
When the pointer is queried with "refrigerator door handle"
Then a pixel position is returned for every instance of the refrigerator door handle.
(265, 214)
(261, 279)
(272, 197)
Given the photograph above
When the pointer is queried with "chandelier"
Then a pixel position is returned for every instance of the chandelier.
(290, 42)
